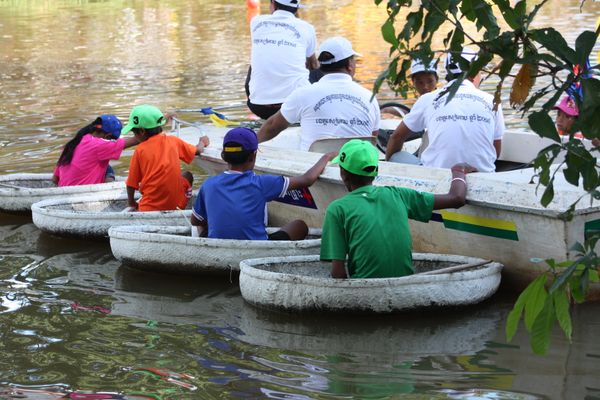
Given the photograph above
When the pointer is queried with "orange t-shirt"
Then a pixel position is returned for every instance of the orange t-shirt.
(154, 171)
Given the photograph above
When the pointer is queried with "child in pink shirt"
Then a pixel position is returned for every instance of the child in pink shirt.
(85, 158)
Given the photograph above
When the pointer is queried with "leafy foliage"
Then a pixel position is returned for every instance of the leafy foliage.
(533, 53)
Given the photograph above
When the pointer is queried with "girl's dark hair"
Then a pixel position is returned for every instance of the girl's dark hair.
(235, 158)
(336, 66)
(148, 132)
(69, 149)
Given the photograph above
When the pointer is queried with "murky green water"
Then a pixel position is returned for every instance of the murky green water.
(72, 320)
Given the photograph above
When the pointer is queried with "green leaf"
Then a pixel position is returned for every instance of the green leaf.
(589, 116)
(542, 328)
(583, 46)
(542, 124)
(468, 10)
(561, 306)
(565, 275)
(536, 297)
(552, 40)
(414, 20)
(548, 194)
(485, 18)
(389, 33)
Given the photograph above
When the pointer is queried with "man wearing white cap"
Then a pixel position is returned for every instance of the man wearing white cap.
(283, 51)
(466, 129)
(333, 107)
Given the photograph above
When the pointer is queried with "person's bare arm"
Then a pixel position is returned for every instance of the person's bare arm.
(338, 269)
(397, 140)
(310, 176)
(273, 127)
(131, 197)
(375, 133)
(498, 147)
(200, 225)
(312, 62)
(131, 141)
(203, 142)
(456, 196)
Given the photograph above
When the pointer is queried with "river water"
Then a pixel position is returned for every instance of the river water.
(73, 320)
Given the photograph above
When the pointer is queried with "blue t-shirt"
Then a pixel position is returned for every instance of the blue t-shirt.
(234, 204)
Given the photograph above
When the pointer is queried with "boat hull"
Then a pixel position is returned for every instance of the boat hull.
(93, 216)
(19, 191)
(172, 249)
(303, 284)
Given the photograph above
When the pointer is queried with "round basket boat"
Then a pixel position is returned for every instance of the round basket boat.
(303, 283)
(19, 191)
(93, 216)
(172, 249)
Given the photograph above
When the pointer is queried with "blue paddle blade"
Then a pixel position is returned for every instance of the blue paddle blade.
(209, 111)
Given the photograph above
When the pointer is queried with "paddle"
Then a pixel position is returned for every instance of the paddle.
(211, 110)
(10, 186)
(455, 268)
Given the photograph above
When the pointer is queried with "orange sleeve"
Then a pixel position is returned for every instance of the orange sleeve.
(135, 174)
(187, 151)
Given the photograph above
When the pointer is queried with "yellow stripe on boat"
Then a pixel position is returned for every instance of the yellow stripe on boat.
(480, 225)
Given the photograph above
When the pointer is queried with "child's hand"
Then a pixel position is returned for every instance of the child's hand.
(331, 155)
(204, 140)
(169, 116)
(463, 167)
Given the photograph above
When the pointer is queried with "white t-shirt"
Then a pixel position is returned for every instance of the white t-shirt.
(463, 130)
(281, 43)
(333, 107)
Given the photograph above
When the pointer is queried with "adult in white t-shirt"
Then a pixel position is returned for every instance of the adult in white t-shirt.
(283, 49)
(466, 129)
(333, 107)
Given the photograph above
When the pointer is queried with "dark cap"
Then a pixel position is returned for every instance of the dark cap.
(245, 138)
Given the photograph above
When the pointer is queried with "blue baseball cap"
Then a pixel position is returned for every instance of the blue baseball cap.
(244, 138)
(110, 124)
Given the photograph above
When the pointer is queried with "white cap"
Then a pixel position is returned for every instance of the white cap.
(290, 3)
(339, 47)
(453, 67)
(417, 66)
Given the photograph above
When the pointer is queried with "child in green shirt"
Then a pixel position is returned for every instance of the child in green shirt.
(369, 226)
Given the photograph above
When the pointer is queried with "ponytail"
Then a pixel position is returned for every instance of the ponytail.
(69, 149)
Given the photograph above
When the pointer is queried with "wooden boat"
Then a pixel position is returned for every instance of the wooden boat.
(92, 216)
(19, 191)
(172, 249)
(503, 219)
(303, 283)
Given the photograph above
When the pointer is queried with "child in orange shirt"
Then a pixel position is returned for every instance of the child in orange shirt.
(154, 168)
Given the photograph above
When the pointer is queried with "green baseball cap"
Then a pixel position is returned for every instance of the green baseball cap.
(358, 157)
(144, 116)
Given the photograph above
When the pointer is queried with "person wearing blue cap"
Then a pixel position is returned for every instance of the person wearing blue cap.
(85, 158)
(232, 205)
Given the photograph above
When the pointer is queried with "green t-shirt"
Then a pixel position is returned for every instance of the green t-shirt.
(370, 227)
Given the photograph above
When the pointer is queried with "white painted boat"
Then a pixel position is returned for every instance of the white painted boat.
(172, 249)
(19, 191)
(303, 283)
(92, 216)
(503, 219)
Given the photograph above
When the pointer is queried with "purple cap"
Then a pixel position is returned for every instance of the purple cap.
(111, 124)
(244, 137)
(568, 106)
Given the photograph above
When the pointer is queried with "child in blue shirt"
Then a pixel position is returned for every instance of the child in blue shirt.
(232, 205)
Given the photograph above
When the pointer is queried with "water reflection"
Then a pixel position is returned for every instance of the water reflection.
(73, 320)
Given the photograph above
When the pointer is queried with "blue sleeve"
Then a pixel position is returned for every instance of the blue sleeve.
(273, 186)
(199, 209)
